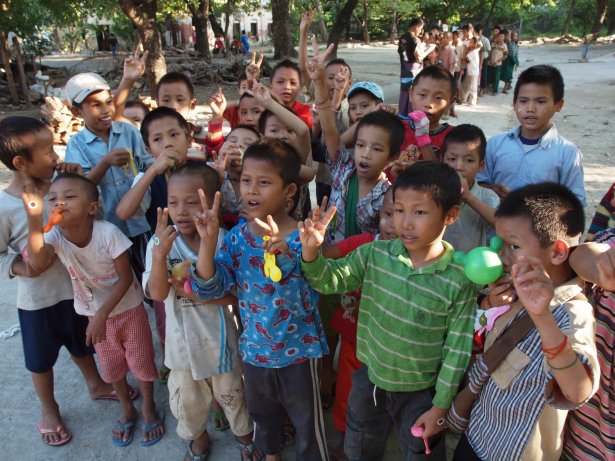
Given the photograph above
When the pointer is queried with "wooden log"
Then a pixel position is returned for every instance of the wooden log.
(22, 73)
(6, 62)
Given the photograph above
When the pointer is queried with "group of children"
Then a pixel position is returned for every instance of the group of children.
(253, 288)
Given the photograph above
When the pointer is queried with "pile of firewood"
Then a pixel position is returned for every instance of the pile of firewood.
(59, 117)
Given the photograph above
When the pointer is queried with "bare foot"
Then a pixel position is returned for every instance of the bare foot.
(100, 390)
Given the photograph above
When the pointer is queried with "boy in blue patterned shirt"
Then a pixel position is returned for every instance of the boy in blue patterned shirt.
(282, 337)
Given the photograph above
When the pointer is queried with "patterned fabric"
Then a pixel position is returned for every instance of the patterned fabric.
(590, 433)
(605, 214)
(368, 207)
(409, 148)
(281, 323)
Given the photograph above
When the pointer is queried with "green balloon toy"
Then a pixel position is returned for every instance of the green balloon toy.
(482, 265)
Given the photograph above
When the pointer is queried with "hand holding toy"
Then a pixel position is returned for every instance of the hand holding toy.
(418, 431)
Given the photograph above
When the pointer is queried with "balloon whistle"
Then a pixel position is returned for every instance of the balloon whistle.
(54, 218)
(271, 269)
(418, 431)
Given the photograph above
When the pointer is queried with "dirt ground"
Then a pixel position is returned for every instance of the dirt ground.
(586, 120)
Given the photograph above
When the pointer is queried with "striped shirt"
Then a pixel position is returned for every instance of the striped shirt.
(604, 216)
(590, 433)
(415, 325)
(518, 416)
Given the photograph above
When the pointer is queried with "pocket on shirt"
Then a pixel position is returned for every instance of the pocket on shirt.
(510, 368)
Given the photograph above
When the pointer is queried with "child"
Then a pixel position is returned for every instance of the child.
(219, 46)
(47, 317)
(106, 291)
(363, 98)
(406, 49)
(286, 86)
(175, 90)
(197, 373)
(282, 339)
(249, 110)
(415, 302)
(110, 153)
(136, 111)
(498, 54)
(469, 87)
(464, 150)
(245, 43)
(604, 217)
(511, 61)
(484, 56)
(522, 405)
(534, 151)
(244, 84)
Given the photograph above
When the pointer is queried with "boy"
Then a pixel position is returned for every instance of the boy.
(415, 302)
(464, 150)
(521, 409)
(469, 87)
(282, 338)
(286, 86)
(175, 90)
(534, 151)
(136, 111)
(47, 318)
(498, 54)
(485, 46)
(363, 98)
(106, 291)
(407, 58)
(197, 373)
(110, 153)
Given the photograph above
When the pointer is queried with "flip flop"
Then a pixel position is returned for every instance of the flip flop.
(145, 427)
(192, 456)
(121, 428)
(132, 393)
(218, 416)
(63, 440)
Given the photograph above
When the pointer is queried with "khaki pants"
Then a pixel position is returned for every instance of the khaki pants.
(469, 89)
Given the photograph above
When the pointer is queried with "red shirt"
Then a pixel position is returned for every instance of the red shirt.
(304, 112)
(232, 115)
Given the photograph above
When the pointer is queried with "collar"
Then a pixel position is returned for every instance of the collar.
(90, 137)
(398, 249)
(546, 139)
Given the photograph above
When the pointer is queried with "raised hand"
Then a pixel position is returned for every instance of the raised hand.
(312, 231)
(166, 160)
(262, 94)
(421, 127)
(232, 155)
(320, 58)
(342, 79)
(207, 222)
(315, 69)
(253, 70)
(32, 199)
(164, 235)
(217, 104)
(306, 20)
(533, 285)
(275, 243)
(134, 65)
(501, 293)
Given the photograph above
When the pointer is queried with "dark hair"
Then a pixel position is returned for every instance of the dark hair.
(245, 127)
(286, 64)
(456, 32)
(465, 27)
(341, 62)
(389, 123)
(415, 22)
(438, 73)
(211, 179)
(244, 96)
(542, 74)
(478, 28)
(13, 131)
(553, 210)
(175, 77)
(365, 92)
(466, 133)
(136, 103)
(241, 79)
(265, 115)
(281, 155)
(437, 179)
(160, 113)
(89, 186)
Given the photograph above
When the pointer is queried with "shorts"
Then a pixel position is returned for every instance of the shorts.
(45, 331)
(128, 346)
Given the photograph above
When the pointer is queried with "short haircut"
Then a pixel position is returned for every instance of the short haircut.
(416, 22)
(209, 176)
(175, 77)
(88, 185)
(478, 28)
(281, 155)
(286, 64)
(159, 113)
(13, 133)
(244, 96)
(554, 212)
(466, 133)
(245, 127)
(465, 27)
(341, 62)
(542, 74)
(266, 115)
(389, 123)
(438, 73)
(241, 80)
(437, 179)
(136, 103)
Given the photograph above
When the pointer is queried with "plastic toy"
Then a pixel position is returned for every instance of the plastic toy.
(181, 272)
(54, 218)
(482, 265)
(271, 269)
(486, 319)
(418, 431)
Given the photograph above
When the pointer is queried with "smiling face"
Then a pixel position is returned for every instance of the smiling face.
(359, 104)
(535, 107)
(286, 84)
(371, 151)
(249, 112)
(176, 96)
(464, 157)
(97, 111)
(183, 201)
(43, 159)
(166, 134)
(432, 96)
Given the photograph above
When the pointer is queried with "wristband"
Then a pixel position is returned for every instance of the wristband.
(553, 352)
(565, 367)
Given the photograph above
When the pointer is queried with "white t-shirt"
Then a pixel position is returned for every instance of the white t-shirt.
(201, 338)
(473, 62)
(92, 270)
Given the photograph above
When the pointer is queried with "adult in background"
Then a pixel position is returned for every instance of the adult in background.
(407, 57)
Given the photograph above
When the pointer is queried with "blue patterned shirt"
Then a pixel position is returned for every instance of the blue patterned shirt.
(281, 322)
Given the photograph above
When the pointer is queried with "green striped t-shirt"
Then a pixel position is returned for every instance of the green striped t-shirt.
(415, 326)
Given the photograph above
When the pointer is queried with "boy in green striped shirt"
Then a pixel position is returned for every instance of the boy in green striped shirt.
(415, 318)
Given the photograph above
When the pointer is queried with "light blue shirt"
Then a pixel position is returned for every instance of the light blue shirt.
(87, 149)
(553, 158)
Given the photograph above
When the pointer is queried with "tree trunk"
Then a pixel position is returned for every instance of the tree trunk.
(342, 21)
(324, 33)
(491, 11)
(573, 6)
(601, 7)
(142, 14)
(199, 20)
(610, 18)
(6, 62)
(23, 82)
(282, 40)
(393, 32)
(365, 22)
(215, 25)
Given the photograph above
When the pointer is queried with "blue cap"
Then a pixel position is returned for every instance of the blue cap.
(370, 87)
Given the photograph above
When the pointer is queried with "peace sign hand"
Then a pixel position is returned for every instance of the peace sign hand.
(253, 71)
(134, 65)
(275, 243)
(165, 235)
(207, 222)
(312, 231)
(261, 93)
(319, 57)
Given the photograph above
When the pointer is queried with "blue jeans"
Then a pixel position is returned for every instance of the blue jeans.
(372, 412)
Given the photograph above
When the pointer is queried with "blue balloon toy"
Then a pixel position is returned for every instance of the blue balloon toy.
(482, 265)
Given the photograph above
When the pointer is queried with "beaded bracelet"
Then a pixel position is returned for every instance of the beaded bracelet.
(324, 106)
(570, 365)
(552, 352)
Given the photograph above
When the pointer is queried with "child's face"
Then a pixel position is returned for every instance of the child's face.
(535, 107)
(359, 105)
(418, 220)
(97, 111)
(183, 201)
(371, 151)
(165, 134)
(386, 227)
(330, 72)
(135, 115)
(500, 38)
(43, 159)
(276, 128)
(286, 84)
(432, 97)
(176, 96)
(465, 159)
(72, 196)
(249, 112)
(262, 190)
(238, 139)
(520, 240)
(243, 86)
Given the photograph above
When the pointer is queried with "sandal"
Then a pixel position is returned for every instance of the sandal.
(121, 428)
(250, 450)
(163, 375)
(192, 456)
(58, 430)
(148, 427)
(218, 421)
(132, 393)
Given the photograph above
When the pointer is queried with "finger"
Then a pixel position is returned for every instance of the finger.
(253, 58)
(260, 60)
(203, 200)
(136, 53)
(88, 339)
(324, 203)
(329, 215)
(158, 219)
(315, 50)
(274, 227)
(263, 225)
(328, 51)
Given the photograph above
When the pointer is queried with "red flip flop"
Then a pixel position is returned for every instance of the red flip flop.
(63, 440)
(132, 392)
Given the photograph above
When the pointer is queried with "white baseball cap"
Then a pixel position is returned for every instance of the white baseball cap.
(80, 86)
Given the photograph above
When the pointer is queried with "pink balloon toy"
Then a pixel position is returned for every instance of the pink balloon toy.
(418, 431)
